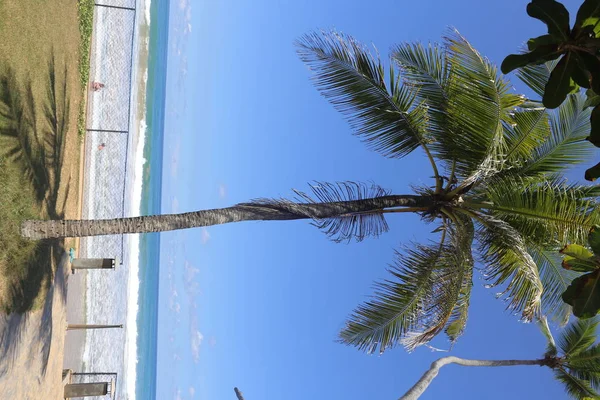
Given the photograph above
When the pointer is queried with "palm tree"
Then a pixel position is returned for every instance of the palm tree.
(238, 394)
(495, 157)
(578, 367)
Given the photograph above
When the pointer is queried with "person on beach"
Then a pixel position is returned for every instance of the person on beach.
(96, 86)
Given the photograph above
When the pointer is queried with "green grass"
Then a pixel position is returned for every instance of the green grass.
(30, 176)
(40, 96)
(18, 203)
(85, 10)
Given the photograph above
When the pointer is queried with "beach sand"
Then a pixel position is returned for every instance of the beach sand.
(32, 344)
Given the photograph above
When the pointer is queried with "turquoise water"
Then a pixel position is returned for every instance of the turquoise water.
(147, 319)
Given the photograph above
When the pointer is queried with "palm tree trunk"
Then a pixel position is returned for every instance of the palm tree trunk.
(422, 384)
(260, 210)
(238, 394)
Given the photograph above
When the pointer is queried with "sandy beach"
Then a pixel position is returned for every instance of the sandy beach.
(32, 344)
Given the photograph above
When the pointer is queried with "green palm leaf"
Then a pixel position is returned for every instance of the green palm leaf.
(397, 304)
(423, 296)
(536, 76)
(479, 101)
(451, 292)
(592, 377)
(507, 261)
(458, 321)
(587, 360)
(566, 145)
(555, 280)
(353, 80)
(426, 69)
(578, 337)
(551, 350)
(550, 212)
(575, 387)
(526, 131)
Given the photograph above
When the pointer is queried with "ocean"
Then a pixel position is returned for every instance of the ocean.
(123, 173)
(147, 316)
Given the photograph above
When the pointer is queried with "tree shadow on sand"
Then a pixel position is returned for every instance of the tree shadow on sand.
(32, 139)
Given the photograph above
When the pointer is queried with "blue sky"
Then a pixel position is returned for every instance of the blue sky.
(258, 305)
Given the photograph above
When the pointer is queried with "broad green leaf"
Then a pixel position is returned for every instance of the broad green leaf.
(588, 14)
(543, 40)
(574, 87)
(560, 83)
(575, 264)
(595, 124)
(592, 100)
(580, 73)
(577, 251)
(584, 295)
(592, 63)
(540, 55)
(553, 14)
(591, 174)
(594, 239)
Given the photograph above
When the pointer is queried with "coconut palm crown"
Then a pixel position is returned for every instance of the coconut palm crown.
(498, 195)
(575, 361)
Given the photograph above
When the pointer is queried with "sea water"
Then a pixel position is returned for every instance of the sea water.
(149, 248)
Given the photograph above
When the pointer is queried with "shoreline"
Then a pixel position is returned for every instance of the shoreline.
(76, 346)
(139, 112)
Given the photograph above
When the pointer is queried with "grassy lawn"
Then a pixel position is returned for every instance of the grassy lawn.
(42, 88)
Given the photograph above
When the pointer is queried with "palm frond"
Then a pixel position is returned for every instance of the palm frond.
(575, 387)
(354, 226)
(464, 240)
(479, 101)
(428, 292)
(585, 374)
(551, 344)
(506, 260)
(555, 280)
(577, 337)
(397, 304)
(587, 360)
(353, 80)
(566, 146)
(536, 76)
(426, 69)
(524, 133)
(451, 293)
(550, 212)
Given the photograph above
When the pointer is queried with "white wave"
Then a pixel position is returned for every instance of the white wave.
(147, 4)
(134, 264)
(139, 140)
